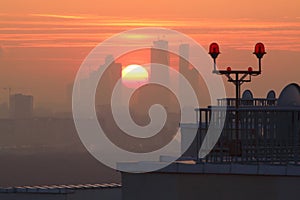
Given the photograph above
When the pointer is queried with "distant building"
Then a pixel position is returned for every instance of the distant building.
(159, 52)
(184, 56)
(21, 106)
(160, 55)
(4, 110)
(108, 80)
(183, 64)
(105, 85)
(188, 71)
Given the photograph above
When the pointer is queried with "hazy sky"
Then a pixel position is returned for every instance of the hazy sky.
(42, 43)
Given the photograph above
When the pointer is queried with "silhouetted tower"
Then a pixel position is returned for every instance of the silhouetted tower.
(183, 59)
(186, 70)
(184, 54)
(183, 65)
(160, 56)
(159, 52)
(108, 81)
(21, 106)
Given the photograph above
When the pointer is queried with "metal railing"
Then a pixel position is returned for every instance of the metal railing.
(231, 102)
(264, 134)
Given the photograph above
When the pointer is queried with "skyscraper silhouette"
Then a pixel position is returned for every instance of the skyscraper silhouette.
(160, 55)
(21, 106)
(188, 71)
(108, 81)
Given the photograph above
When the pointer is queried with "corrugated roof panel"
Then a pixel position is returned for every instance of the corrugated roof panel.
(57, 188)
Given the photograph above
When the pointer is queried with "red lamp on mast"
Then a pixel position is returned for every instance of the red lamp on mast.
(214, 51)
(238, 77)
(259, 51)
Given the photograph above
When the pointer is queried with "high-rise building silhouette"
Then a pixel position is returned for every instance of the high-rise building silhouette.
(183, 64)
(108, 80)
(21, 106)
(4, 112)
(159, 52)
(188, 71)
(184, 56)
(160, 56)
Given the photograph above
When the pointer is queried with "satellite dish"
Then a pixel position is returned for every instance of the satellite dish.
(271, 98)
(247, 95)
(290, 95)
(271, 95)
(247, 98)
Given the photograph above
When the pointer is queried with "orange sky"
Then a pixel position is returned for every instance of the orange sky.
(44, 42)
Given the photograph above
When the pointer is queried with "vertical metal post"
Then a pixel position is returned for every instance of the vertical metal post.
(237, 90)
(237, 98)
(215, 64)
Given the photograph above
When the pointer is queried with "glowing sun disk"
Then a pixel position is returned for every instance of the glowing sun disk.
(133, 76)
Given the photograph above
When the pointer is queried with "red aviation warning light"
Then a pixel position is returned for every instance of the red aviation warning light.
(238, 77)
(214, 50)
(259, 50)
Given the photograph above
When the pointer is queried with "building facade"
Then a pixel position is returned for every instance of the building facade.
(21, 106)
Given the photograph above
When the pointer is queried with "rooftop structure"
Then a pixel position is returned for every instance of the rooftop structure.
(110, 191)
(268, 129)
(255, 129)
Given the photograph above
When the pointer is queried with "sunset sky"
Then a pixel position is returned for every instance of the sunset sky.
(42, 43)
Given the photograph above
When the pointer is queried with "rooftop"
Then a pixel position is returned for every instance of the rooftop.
(58, 189)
